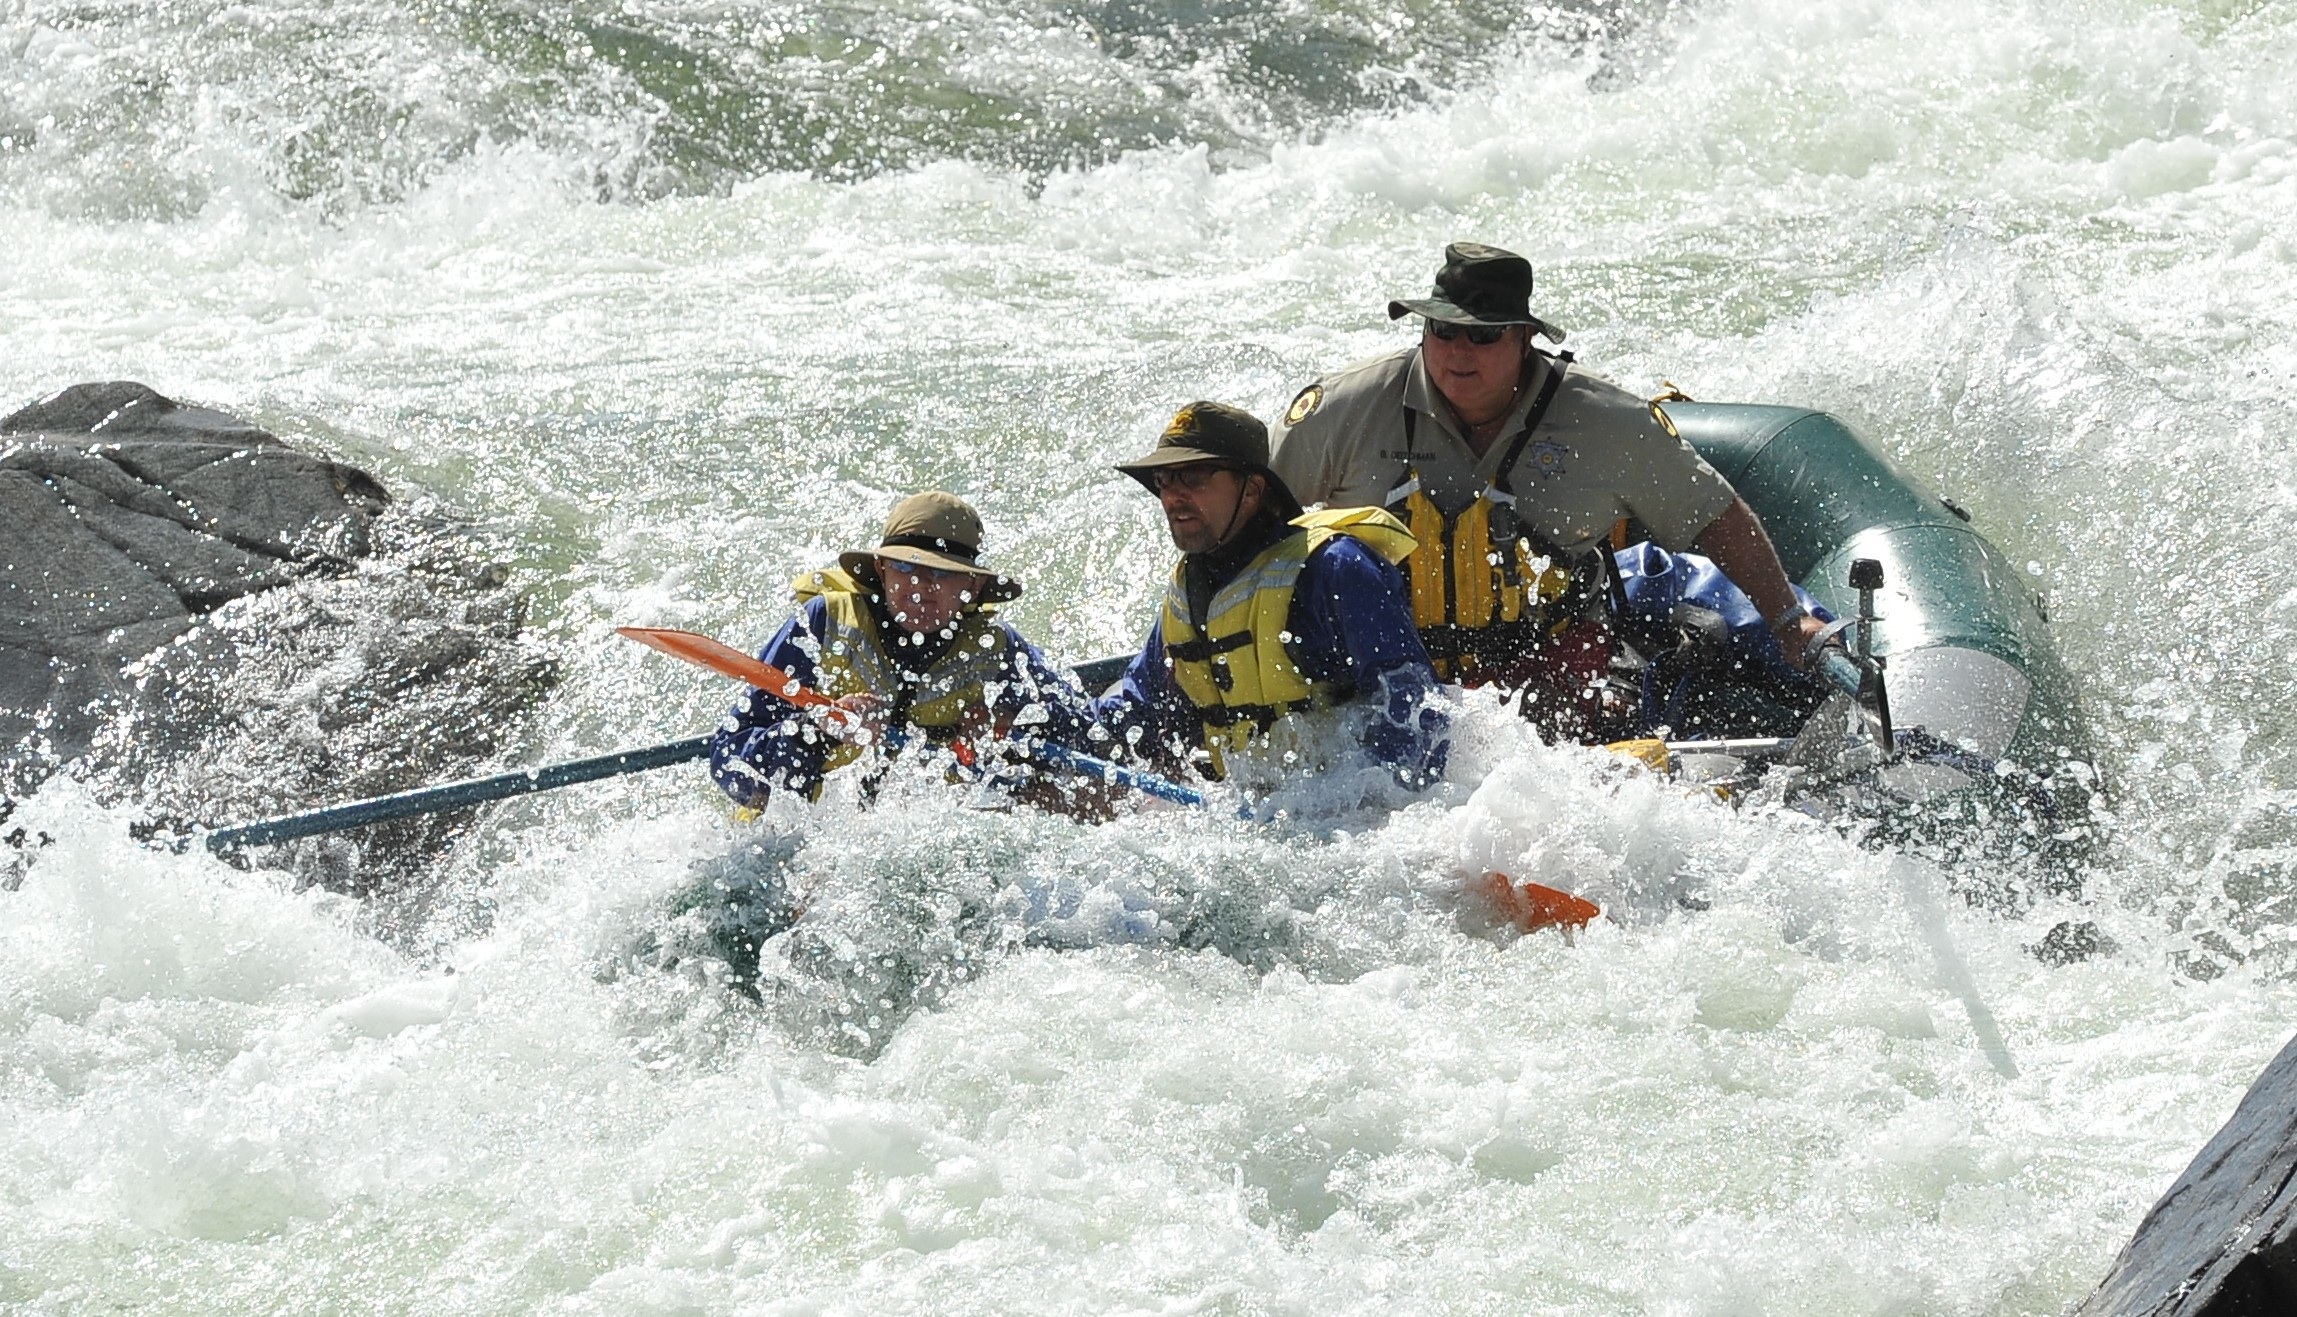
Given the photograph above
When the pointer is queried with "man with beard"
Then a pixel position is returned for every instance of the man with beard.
(1271, 618)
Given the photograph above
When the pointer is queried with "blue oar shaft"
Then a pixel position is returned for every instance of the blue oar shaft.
(1148, 784)
(455, 795)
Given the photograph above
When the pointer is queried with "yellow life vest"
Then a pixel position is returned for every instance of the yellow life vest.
(1482, 593)
(1236, 670)
(853, 660)
(1486, 588)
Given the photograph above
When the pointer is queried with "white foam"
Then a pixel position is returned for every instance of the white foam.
(2041, 253)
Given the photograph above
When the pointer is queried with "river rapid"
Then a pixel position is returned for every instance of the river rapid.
(678, 297)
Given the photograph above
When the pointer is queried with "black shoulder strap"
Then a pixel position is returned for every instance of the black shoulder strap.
(1557, 365)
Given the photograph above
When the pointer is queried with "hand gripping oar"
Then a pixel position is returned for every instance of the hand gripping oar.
(728, 661)
(1529, 906)
(477, 791)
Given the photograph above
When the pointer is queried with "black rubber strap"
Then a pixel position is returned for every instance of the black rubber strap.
(1558, 364)
(1206, 649)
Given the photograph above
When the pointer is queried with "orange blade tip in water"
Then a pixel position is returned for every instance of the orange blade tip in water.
(1534, 906)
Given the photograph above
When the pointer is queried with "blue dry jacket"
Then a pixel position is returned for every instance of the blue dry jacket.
(1654, 584)
(1351, 624)
(766, 743)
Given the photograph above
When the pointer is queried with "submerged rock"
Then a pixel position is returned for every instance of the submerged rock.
(199, 618)
(2223, 1241)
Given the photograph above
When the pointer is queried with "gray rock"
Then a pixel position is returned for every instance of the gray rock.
(124, 519)
(2223, 1241)
(200, 618)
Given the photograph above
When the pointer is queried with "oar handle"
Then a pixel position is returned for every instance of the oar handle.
(728, 661)
(1841, 671)
(1862, 681)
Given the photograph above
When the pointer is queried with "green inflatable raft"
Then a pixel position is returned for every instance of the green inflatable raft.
(1965, 638)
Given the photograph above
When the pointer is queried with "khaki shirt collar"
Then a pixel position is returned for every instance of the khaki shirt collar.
(1420, 395)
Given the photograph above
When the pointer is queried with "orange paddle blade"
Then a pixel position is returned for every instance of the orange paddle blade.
(1531, 906)
(725, 659)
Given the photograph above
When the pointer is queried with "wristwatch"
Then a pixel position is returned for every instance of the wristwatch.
(1787, 617)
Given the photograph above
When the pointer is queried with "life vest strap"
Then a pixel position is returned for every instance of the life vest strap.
(1207, 648)
(1262, 715)
(1212, 651)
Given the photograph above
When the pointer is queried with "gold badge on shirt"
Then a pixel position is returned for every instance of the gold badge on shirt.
(1301, 406)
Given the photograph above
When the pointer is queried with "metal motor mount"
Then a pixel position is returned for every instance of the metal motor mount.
(1858, 674)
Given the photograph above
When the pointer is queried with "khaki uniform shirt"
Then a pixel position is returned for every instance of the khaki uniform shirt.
(1597, 455)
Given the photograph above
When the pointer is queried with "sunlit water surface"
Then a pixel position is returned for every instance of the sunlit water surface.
(679, 298)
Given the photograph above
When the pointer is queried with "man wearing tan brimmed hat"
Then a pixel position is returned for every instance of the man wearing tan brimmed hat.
(1511, 469)
(1270, 614)
(903, 637)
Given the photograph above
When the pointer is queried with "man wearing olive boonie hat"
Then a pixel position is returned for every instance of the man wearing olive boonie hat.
(1270, 615)
(903, 638)
(1512, 468)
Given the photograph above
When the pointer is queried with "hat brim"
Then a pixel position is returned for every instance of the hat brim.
(861, 565)
(1144, 470)
(1437, 308)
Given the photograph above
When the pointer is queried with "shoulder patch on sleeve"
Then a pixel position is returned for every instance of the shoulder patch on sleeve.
(1305, 404)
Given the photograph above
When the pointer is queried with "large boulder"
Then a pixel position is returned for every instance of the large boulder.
(125, 518)
(199, 618)
(2223, 1241)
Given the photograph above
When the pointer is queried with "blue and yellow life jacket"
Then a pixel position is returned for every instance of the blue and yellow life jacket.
(854, 661)
(1236, 670)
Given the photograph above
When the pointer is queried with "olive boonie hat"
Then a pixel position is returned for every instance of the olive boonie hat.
(1479, 285)
(932, 529)
(1213, 432)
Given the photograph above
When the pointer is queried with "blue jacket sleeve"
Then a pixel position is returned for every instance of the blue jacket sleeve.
(1146, 714)
(1351, 622)
(766, 742)
(1036, 700)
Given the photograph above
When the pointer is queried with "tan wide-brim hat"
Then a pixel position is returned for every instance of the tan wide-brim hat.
(933, 529)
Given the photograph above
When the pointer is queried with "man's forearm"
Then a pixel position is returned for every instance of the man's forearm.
(1739, 545)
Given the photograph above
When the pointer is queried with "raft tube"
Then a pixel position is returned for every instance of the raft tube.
(1965, 637)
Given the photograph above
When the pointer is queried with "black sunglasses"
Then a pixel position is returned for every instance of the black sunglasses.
(1483, 336)
(1192, 477)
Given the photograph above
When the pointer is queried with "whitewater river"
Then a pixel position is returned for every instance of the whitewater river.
(677, 297)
